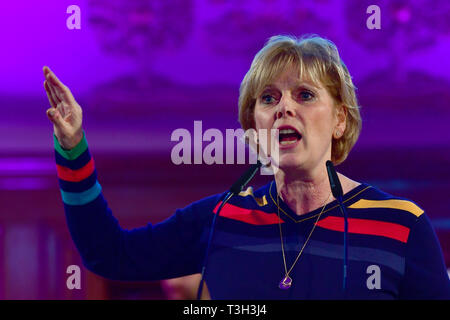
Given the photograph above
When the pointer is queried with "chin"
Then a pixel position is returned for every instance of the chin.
(290, 162)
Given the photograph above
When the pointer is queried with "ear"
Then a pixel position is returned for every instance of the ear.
(341, 121)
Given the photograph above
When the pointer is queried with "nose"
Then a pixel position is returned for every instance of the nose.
(285, 109)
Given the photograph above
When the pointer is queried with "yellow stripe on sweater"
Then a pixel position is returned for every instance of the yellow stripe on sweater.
(391, 204)
(249, 192)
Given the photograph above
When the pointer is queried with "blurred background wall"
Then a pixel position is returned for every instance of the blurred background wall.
(143, 68)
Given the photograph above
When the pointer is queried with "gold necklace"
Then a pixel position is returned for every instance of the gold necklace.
(286, 282)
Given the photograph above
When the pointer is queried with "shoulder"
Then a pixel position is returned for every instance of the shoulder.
(384, 210)
(248, 198)
(206, 203)
(371, 199)
(252, 197)
(374, 198)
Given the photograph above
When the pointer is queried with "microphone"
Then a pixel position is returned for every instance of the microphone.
(234, 190)
(336, 189)
(335, 184)
(248, 175)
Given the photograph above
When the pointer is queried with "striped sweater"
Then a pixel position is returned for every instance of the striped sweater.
(393, 250)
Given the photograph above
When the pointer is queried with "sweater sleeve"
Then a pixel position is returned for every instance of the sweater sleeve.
(171, 248)
(425, 272)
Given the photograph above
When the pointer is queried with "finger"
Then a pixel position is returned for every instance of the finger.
(53, 81)
(46, 70)
(49, 95)
(53, 93)
(62, 91)
(48, 73)
(50, 113)
(55, 116)
(51, 76)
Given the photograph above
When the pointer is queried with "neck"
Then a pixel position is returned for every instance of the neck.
(304, 192)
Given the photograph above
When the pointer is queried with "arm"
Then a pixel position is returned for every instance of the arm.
(169, 249)
(425, 273)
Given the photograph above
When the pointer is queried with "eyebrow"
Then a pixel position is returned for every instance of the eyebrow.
(296, 85)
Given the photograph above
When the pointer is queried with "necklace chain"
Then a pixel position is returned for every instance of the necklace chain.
(287, 281)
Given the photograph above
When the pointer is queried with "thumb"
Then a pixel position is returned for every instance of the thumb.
(55, 117)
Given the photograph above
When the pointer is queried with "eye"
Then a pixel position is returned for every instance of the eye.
(306, 95)
(267, 99)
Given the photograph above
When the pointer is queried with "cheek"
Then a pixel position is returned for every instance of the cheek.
(324, 122)
(323, 126)
(263, 124)
(262, 119)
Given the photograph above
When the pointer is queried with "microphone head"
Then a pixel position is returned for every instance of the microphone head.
(335, 184)
(245, 178)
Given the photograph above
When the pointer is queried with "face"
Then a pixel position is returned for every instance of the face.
(306, 117)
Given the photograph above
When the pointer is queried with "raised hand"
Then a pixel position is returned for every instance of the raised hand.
(65, 113)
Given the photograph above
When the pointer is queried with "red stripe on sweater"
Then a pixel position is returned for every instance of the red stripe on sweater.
(75, 175)
(370, 227)
(251, 216)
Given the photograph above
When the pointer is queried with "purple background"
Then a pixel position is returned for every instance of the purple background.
(141, 69)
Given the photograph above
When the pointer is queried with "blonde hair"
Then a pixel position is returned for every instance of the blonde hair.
(317, 60)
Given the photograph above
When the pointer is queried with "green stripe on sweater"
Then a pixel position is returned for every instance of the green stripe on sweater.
(74, 153)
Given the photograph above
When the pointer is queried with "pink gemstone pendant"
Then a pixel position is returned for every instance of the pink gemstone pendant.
(285, 283)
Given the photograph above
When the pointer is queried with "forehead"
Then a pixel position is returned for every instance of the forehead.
(290, 77)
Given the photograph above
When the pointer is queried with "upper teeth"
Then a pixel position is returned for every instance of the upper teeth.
(284, 131)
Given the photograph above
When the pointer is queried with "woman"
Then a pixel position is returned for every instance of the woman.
(284, 240)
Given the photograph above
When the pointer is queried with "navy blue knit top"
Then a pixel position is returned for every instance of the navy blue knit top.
(393, 251)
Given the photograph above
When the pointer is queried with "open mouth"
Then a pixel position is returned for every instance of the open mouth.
(288, 136)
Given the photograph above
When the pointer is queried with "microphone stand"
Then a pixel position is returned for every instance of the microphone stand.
(336, 189)
(234, 190)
